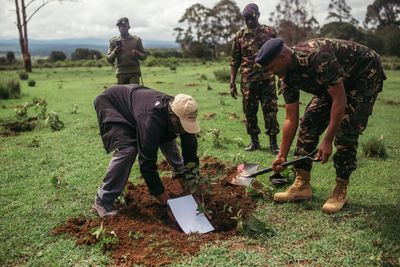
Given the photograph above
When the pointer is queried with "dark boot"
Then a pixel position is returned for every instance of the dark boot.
(273, 146)
(254, 144)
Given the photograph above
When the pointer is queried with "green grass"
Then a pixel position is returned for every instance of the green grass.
(366, 233)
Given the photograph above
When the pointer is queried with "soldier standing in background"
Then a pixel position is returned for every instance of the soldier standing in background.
(345, 79)
(128, 50)
(256, 85)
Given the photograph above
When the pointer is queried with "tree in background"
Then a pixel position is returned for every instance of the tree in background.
(57, 56)
(383, 13)
(293, 22)
(339, 10)
(384, 17)
(390, 36)
(197, 19)
(10, 57)
(208, 29)
(85, 53)
(342, 30)
(22, 25)
(228, 22)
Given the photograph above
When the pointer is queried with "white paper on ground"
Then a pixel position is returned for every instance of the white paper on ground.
(186, 214)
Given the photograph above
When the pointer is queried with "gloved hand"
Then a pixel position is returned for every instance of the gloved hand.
(233, 90)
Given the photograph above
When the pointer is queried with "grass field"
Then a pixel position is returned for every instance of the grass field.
(365, 233)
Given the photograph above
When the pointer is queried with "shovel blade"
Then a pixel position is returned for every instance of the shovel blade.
(243, 171)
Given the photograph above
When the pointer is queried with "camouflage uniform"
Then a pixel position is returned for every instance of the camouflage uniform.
(128, 66)
(319, 64)
(256, 85)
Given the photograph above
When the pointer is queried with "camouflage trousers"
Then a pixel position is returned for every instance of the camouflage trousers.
(128, 78)
(263, 91)
(360, 102)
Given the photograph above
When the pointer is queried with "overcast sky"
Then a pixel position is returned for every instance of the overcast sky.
(151, 20)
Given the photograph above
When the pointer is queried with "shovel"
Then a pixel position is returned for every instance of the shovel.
(247, 172)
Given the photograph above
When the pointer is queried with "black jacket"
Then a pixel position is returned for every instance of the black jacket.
(134, 115)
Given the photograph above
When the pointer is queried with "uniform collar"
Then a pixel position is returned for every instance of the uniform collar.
(295, 58)
(248, 30)
(128, 37)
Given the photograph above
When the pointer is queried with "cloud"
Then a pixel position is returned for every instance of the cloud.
(149, 19)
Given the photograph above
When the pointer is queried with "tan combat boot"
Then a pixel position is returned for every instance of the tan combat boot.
(299, 190)
(338, 197)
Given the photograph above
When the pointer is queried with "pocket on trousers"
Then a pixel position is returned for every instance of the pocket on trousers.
(359, 120)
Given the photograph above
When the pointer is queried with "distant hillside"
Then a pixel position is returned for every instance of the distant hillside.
(42, 48)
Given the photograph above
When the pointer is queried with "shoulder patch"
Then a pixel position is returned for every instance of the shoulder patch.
(304, 60)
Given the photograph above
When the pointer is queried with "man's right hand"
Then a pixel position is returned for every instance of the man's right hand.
(117, 50)
(276, 164)
(233, 90)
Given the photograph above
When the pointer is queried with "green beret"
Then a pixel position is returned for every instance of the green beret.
(269, 51)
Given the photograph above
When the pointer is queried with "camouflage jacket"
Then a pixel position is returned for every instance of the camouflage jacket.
(245, 46)
(126, 62)
(322, 63)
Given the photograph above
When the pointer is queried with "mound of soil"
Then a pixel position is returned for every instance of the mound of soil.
(14, 127)
(142, 233)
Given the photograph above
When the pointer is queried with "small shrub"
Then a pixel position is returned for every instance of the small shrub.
(151, 62)
(254, 227)
(375, 148)
(3, 61)
(396, 67)
(10, 88)
(216, 135)
(172, 67)
(31, 83)
(74, 109)
(222, 75)
(21, 111)
(54, 121)
(23, 75)
(203, 77)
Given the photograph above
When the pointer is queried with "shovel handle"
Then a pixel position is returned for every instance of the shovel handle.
(287, 163)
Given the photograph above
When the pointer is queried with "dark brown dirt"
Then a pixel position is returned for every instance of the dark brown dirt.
(164, 166)
(209, 115)
(233, 116)
(146, 235)
(390, 102)
(15, 127)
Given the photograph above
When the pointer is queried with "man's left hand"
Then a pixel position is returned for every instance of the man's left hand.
(324, 151)
(135, 52)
